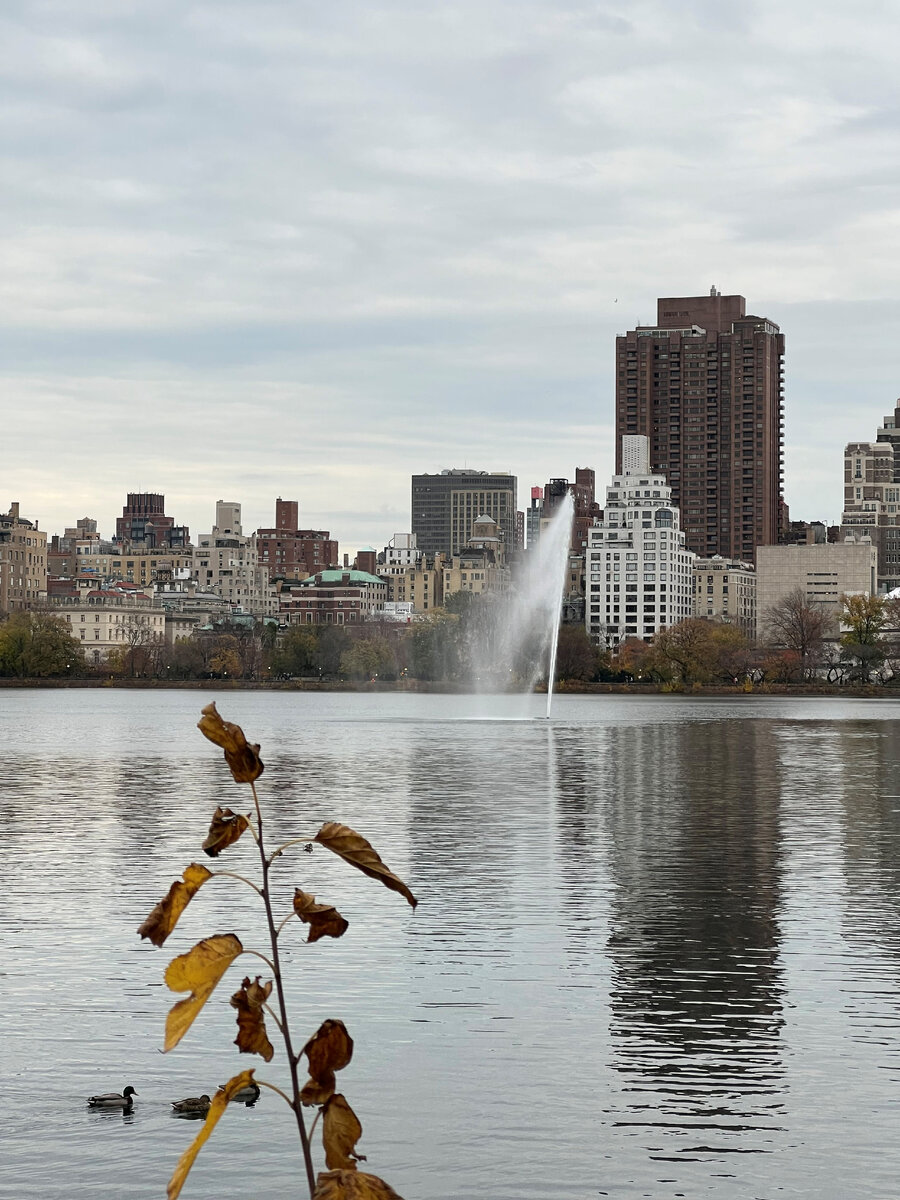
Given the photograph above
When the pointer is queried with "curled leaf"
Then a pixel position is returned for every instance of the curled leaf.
(217, 1107)
(329, 1049)
(353, 848)
(318, 1091)
(323, 920)
(352, 1185)
(224, 829)
(198, 971)
(163, 919)
(242, 757)
(249, 1000)
(341, 1131)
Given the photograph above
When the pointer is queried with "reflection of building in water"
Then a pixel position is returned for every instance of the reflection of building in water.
(692, 817)
(866, 756)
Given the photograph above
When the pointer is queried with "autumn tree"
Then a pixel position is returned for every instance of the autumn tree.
(800, 626)
(576, 655)
(295, 651)
(864, 619)
(368, 658)
(38, 645)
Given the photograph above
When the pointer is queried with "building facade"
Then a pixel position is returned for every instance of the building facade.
(872, 497)
(23, 562)
(332, 598)
(824, 573)
(725, 591)
(705, 385)
(288, 552)
(144, 524)
(109, 620)
(638, 566)
(445, 507)
(226, 561)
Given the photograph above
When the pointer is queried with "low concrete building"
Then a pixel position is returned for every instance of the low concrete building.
(824, 573)
(725, 590)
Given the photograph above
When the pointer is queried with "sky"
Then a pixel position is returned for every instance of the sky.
(254, 249)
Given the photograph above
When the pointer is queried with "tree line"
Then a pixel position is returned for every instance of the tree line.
(465, 641)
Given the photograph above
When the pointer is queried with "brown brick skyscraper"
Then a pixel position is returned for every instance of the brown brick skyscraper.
(705, 384)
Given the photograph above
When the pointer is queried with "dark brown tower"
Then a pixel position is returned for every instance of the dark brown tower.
(706, 385)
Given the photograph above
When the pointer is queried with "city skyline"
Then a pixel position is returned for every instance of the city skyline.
(310, 251)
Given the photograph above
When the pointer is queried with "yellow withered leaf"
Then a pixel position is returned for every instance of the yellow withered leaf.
(352, 1185)
(197, 972)
(165, 916)
(318, 1091)
(242, 757)
(341, 1131)
(224, 829)
(353, 848)
(252, 1037)
(216, 1108)
(329, 1049)
(323, 920)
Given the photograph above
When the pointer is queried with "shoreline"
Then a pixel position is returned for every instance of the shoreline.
(426, 687)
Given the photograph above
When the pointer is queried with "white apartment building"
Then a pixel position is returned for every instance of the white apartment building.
(638, 568)
(226, 561)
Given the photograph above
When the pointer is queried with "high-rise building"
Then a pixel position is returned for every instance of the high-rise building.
(639, 569)
(705, 385)
(445, 508)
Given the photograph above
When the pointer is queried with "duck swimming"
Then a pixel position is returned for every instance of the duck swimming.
(192, 1106)
(113, 1099)
(245, 1095)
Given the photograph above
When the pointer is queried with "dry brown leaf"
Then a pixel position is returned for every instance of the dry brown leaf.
(224, 829)
(329, 1049)
(323, 920)
(352, 1185)
(216, 1108)
(353, 848)
(165, 916)
(197, 972)
(318, 1091)
(252, 1037)
(341, 1131)
(242, 757)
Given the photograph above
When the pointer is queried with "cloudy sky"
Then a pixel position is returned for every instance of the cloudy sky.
(306, 249)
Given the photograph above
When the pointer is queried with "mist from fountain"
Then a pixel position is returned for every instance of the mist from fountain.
(514, 646)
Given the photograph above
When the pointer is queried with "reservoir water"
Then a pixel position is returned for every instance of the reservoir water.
(657, 950)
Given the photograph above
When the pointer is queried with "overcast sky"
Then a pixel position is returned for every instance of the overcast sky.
(304, 249)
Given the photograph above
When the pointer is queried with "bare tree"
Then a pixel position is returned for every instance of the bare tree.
(799, 625)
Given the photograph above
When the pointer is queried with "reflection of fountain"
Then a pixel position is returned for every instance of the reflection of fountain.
(517, 641)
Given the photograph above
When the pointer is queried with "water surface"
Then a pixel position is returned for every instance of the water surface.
(656, 954)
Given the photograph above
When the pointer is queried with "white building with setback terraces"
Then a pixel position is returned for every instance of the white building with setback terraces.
(638, 568)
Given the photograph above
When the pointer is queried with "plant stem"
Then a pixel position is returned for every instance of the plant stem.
(285, 1028)
(232, 875)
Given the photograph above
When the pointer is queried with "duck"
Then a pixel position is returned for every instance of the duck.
(192, 1106)
(245, 1095)
(124, 1099)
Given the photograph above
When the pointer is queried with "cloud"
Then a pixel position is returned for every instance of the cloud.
(252, 249)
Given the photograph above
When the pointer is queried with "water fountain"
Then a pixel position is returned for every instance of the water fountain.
(514, 643)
